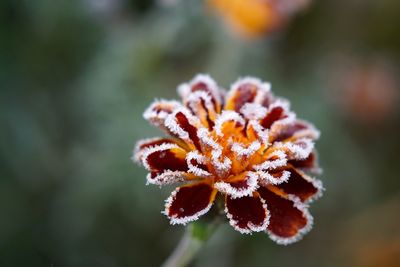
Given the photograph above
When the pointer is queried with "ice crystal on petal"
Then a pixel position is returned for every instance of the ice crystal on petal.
(227, 116)
(275, 160)
(253, 111)
(239, 189)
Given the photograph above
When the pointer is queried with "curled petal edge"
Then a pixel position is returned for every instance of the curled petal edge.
(250, 226)
(301, 232)
(235, 192)
(186, 219)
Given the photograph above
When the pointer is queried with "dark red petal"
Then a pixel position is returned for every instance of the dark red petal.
(200, 86)
(197, 164)
(188, 203)
(298, 129)
(247, 214)
(157, 112)
(204, 84)
(245, 93)
(239, 186)
(288, 220)
(301, 185)
(277, 174)
(200, 166)
(165, 157)
(267, 100)
(203, 108)
(288, 131)
(309, 164)
(142, 145)
(162, 160)
(243, 184)
(184, 123)
(276, 113)
(273, 177)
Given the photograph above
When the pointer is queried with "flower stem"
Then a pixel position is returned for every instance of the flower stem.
(196, 235)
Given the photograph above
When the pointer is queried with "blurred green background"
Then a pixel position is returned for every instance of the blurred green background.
(76, 76)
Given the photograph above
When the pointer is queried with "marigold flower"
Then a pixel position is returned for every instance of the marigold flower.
(255, 17)
(245, 145)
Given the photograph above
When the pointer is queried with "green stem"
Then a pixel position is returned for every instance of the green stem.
(196, 235)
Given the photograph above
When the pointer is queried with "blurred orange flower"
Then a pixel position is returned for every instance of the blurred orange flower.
(245, 145)
(253, 18)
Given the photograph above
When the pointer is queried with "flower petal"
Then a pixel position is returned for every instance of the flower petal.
(293, 129)
(302, 186)
(184, 126)
(290, 218)
(188, 203)
(247, 214)
(246, 90)
(253, 111)
(239, 186)
(273, 160)
(197, 164)
(267, 99)
(202, 83)
(142, 145)
(308, 165)
(273, 177)
(164, 157)
(166, 177)
(201, 105)
(256, 131)
(203, 97)
(220, 162)
(228, 122)
(279, 110)
(298, 149)
(158, 111)
(243, 151)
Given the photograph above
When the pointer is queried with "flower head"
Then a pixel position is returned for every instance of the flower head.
(245, 145)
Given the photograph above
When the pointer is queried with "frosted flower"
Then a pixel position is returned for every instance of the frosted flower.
(245, 145)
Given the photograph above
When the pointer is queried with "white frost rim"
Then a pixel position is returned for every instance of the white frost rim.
(184, 220)
(263, 87)
(150, 150)
(301, 232)
(184, 90)
(266, 178)
(250, 226)
(173, 126)
(227, 188)
(199, 158)
(166, 177)
(242, 151)
(138, 152)
(158, 118)
(272, 164)
(225, 116)
(253, 111)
